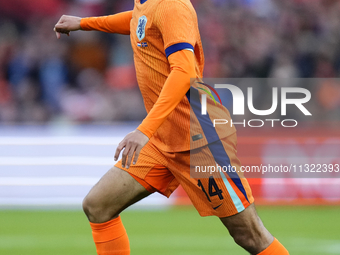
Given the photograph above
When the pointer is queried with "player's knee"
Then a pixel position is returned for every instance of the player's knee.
(86, 206)
(89, 207)
(95, 211)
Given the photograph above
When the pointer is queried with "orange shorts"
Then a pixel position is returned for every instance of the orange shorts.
(212, 192)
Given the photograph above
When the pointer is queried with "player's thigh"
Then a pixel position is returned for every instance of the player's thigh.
(114, 192)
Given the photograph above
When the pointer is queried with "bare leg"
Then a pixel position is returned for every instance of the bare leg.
(114, 192)
(248, 230)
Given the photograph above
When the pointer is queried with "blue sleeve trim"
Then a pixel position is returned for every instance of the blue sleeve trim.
(177, 47)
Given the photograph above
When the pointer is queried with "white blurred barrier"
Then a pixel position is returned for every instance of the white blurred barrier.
(57, 161)
(48, 181)
(68, 140)
(52, 170)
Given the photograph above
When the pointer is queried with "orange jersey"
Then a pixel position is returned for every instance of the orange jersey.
(158, 30)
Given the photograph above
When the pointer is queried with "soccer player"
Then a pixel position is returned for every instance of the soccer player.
(156, 156)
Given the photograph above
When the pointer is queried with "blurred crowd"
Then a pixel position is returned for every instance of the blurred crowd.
(89, 76)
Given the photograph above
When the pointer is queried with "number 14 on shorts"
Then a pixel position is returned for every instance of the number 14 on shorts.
(213, 189)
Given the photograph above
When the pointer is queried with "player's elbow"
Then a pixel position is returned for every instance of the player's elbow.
(191, 77)
(188, 75)
(192, 73)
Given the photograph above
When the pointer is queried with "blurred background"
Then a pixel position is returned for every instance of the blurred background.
(86, 77)
(65, 104)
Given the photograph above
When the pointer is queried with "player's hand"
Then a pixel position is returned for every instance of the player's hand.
(66, 24)
(133, 144)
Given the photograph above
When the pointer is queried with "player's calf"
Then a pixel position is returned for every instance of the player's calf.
(248, 231)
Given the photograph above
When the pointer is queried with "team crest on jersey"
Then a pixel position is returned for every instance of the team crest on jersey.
(141, 27)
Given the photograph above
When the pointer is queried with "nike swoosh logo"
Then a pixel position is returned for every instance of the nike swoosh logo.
(217, 206)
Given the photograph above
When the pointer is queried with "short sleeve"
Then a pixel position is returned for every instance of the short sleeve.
(178, 26)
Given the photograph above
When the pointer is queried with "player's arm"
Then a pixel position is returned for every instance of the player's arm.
(182, 64)
(118, 23)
